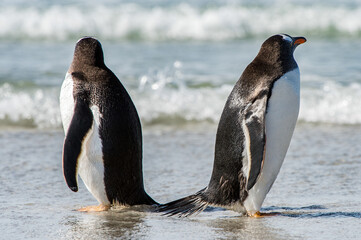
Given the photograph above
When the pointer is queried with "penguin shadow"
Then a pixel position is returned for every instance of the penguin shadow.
(118, 222)
(312, 211)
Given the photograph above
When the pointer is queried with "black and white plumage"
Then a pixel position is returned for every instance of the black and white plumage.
(253, 134)
(103, 136)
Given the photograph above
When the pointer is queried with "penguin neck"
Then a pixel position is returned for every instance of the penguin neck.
(284, 63)
(87, 59)
(79, 64)
(274, 56)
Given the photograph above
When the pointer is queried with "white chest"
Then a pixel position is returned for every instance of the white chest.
(91, 165)
(66, 101)
(90, 161)
(281, 118)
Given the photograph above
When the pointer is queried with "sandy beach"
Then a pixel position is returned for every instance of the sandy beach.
(316, 193)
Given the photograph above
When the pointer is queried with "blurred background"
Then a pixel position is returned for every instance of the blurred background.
(179, 60)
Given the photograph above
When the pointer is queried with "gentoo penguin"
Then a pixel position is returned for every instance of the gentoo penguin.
(103, 136)
(253, 134)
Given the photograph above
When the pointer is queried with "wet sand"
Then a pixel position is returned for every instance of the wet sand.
(316, 195)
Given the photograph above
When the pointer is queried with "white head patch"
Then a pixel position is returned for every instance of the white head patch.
(80, 40)
(286, 38)
(84, 38)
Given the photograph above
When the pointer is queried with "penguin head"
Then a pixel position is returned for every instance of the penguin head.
(280, 47)
(290, 43)
(89, 51)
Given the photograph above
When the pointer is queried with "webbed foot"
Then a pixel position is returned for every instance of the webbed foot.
(99, 208)
(260, 215)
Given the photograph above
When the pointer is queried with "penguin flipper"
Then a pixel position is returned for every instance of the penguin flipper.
(254, 122)
(185, 207)
(80, 125)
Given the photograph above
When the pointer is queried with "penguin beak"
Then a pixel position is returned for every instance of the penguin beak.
(298, 41)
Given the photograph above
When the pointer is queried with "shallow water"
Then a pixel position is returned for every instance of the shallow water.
(180, 66)
(179, 61)
(316, 195)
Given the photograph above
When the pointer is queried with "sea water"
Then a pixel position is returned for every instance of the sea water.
(179, 61)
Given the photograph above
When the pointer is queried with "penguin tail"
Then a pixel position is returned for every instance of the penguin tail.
(185, 207)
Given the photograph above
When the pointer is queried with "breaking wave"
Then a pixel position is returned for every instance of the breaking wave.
(182, 22)
(163, 97)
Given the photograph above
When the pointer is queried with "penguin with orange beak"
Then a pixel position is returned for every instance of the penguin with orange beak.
(253, 134)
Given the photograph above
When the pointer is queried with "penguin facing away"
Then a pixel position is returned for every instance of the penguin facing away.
(253, 134)
(103, 136)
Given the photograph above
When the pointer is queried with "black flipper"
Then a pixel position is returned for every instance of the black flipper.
(80, 124)
(254, 128)
(187, 206)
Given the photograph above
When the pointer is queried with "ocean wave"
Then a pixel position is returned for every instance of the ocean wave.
(164, 98)
(331, 103)
(182, 22)
(33, 107)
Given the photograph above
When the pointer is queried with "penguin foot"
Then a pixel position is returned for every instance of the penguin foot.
(99, 208)
(260, 215)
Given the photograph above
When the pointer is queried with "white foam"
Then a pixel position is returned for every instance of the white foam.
(31, 108)
(164, 97)
(331, 103)
(180, 22)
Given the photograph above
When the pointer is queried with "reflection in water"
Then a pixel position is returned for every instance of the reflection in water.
(116, 223)
(215, 223)
(311, 201)
(241, 227)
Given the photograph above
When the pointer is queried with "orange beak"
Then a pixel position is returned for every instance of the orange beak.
(299, 40)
